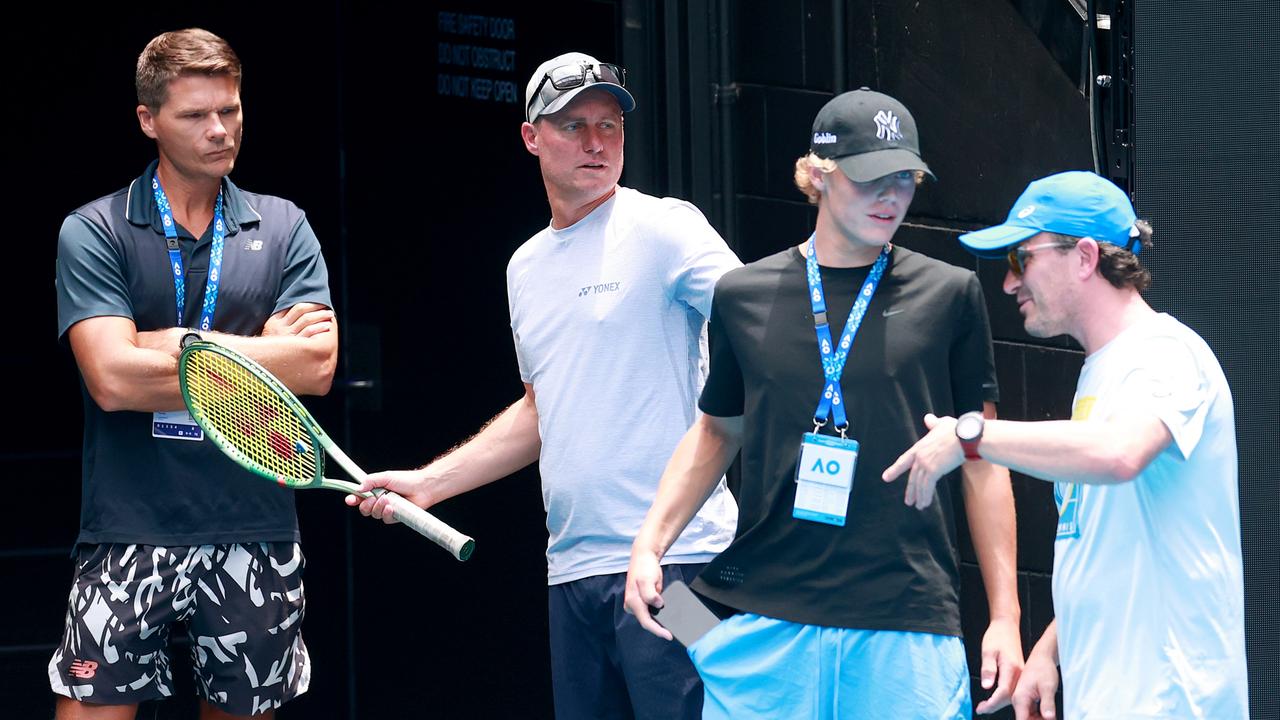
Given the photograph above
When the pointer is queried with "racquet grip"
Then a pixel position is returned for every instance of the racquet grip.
(429, 526)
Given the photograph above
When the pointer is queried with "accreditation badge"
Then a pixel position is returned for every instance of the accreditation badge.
(824, 478)
(175, 425)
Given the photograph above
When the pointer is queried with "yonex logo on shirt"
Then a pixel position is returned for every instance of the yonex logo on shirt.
(599, 289)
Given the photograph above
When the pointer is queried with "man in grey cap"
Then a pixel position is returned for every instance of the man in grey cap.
(608, 311)
(842, 601)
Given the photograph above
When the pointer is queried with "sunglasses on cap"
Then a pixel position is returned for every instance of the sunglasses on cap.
(1018, 256)
(568, 77)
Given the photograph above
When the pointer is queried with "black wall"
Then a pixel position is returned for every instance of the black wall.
(1207, 148)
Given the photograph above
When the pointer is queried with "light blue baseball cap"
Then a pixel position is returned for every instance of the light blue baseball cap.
(1076, 203)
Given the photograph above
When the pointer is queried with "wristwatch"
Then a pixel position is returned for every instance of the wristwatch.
(969, 428)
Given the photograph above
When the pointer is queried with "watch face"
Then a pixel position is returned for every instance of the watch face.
(969, 427)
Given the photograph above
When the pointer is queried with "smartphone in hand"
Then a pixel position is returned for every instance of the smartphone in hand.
(684, 615)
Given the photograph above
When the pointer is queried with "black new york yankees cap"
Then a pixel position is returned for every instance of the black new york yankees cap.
(868, 134)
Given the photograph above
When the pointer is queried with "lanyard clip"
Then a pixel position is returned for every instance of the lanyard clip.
(818, 425)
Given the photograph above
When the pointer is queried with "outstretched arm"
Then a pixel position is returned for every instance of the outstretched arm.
(700, 460)
(1103, 452)
(507, 443)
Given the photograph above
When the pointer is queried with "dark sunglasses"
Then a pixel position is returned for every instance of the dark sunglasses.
(1018, 256)
(568, 77)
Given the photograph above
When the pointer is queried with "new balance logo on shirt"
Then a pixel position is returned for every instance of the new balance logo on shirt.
(83, 669)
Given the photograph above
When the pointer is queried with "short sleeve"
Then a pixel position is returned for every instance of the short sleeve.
(1168, 382)
(973, 368)
(525, 375)
(722, 395)
(521, 365)
(305, 277)
(697, 256)
(89, 275)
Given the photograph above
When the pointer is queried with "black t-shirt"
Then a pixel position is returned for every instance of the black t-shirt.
(924, 346)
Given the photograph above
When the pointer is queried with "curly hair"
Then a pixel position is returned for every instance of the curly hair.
(1118, 265)
(804, 182)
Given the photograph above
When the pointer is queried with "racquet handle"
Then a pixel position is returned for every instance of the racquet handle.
(430, 527)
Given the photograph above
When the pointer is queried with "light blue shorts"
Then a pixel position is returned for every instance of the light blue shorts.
(758, 667)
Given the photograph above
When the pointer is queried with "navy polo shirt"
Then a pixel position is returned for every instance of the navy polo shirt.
(113, 261)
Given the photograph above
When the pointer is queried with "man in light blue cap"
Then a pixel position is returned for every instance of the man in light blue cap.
(1148, 583)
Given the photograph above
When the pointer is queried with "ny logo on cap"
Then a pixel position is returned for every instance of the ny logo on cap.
(887, 126)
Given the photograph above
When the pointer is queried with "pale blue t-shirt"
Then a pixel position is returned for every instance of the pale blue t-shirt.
(1148, 585)
(609, 319)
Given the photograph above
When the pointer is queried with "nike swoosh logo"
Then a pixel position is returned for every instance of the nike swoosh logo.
(890, 312)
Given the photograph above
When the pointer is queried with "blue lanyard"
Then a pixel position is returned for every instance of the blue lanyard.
(175, 256)
(832, 400)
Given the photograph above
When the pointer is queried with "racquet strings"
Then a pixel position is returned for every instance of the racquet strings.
(251, 417)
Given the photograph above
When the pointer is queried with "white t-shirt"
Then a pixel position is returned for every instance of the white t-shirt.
(609, 319)
(1148, 585)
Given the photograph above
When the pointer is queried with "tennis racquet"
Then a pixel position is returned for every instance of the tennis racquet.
(259, 423)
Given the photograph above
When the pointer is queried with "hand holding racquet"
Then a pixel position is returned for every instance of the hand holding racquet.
(259, 423)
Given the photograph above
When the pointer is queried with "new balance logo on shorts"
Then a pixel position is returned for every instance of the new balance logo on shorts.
(83, 669)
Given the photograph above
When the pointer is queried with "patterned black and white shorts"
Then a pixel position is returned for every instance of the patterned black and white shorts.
(241, 605)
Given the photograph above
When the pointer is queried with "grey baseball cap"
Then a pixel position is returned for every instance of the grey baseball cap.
(560, 79)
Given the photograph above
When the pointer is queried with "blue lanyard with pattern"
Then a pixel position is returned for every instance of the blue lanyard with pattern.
(175, 256)
(832, 401)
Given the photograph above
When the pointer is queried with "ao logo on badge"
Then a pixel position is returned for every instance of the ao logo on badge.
(831, 467)
(827, 460)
